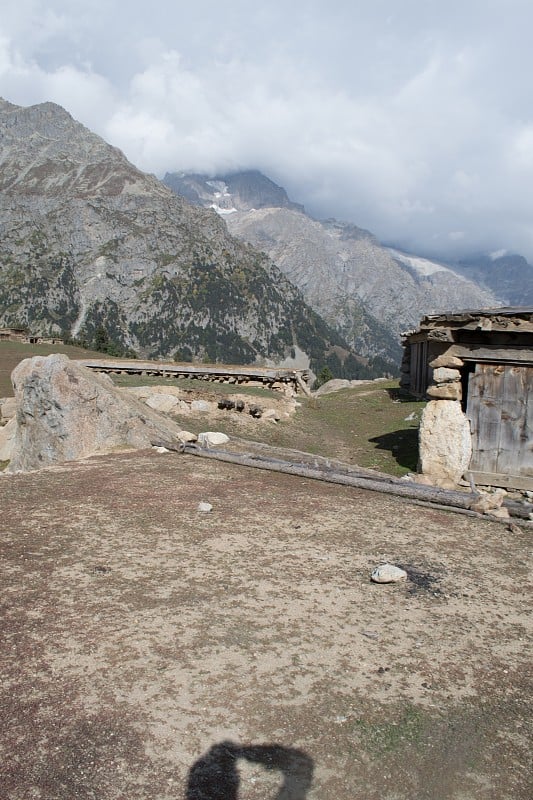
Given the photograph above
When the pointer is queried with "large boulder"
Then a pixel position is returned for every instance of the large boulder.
(445, 446)
(66, 412)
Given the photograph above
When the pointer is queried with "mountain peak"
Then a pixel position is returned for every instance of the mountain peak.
(235, 191)
(44, 150)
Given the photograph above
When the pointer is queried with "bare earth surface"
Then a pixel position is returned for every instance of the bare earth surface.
(154, 652)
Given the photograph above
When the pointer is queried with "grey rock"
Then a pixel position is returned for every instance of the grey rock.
(67, 412)
(162, 402)
(446, 360)
(445, 391)
(271, 414)
(204, 507)
(334, 385)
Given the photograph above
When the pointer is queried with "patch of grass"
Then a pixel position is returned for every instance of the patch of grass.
(11, 353)
(3, 465)
(379, 738)
(366, 425)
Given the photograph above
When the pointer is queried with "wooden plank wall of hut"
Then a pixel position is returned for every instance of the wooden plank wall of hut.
(500, 410)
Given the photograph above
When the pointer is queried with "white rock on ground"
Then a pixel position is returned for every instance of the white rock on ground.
(212, 438)
(388, 573)
(204, 507)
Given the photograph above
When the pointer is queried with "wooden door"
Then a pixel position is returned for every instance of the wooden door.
(500, 410)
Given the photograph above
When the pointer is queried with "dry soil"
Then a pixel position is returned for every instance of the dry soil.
(154, 652)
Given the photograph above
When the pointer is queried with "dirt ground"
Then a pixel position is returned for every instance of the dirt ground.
(154, 652)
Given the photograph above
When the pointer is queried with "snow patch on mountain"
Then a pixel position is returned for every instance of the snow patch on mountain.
(420, 265)
(223, 211)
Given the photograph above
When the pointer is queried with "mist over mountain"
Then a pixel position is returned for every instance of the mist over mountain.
(370, 293)
(88, 241)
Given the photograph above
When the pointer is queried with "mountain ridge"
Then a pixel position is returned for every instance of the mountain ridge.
(87, 240)
(369, 292)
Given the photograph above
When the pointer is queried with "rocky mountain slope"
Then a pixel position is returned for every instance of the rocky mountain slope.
(87, 241)
(370, 293)
(509, 276)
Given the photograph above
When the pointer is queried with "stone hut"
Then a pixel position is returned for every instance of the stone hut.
(476, 369)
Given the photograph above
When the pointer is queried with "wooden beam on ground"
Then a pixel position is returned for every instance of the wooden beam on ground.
(394, 486)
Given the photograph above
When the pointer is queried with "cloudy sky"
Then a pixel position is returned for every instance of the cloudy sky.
(413, 118)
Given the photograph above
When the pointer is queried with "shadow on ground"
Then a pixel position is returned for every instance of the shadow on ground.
(402, 444)
(215, 775)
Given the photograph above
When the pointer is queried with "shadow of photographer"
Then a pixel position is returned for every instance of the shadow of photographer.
(215, 776)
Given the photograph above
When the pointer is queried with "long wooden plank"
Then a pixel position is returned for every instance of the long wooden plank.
(520, 482)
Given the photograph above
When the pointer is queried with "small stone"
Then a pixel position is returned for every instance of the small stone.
(445, 391)
(499, 513)
(212, 438)
(205, 507)
(8, 434)
(388, 573)
(162, 402)
(488, 502)
(187, 436)
(445, 360)
(161, 450)
(446, 375)
(514, 528)
(199, 405)
(271, 414)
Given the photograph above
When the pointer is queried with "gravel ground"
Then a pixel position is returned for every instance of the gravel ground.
(154, 652)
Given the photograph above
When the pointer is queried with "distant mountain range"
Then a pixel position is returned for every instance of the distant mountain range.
(368, 292)
(91, 247)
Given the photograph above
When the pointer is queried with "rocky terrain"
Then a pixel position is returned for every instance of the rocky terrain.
(88, 242)
(369, 292)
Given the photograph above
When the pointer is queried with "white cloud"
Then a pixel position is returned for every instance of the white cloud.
(417, 125)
